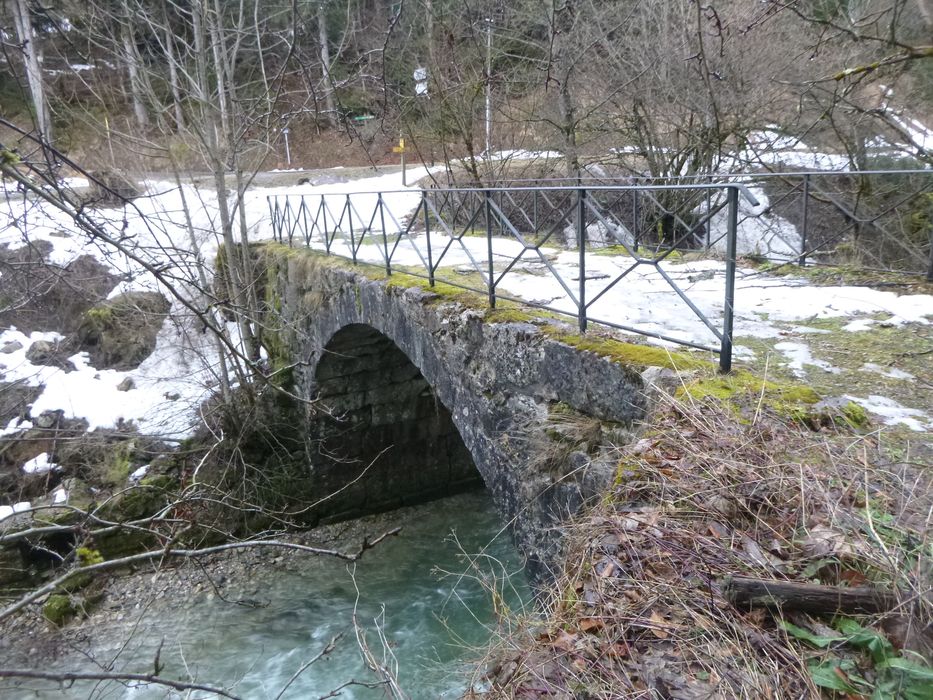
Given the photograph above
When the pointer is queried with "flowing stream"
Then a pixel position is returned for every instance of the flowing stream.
(420, 589)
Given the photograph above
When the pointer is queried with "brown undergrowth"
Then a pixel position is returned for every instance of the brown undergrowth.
(641, 610)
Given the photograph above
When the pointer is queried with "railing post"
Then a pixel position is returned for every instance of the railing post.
(802, 260)
(326, 227)
(725, 350)
(930, 266)
(635, 221)
(427, 235)
(581, 245)
(534, 199)
(352, 233)
(385, 238)
(272, 218)
(487, 197)
(301, 223)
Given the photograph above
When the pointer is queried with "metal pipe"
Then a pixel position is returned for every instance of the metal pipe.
(725, 350)
(352, 234)
(491, 283)
(385, 240)
(427, 235)
(802, 260)
(636, 223)
(581, 243)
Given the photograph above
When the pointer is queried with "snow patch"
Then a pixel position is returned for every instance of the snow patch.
(894, 413)
(798, 355)
(7, 511)
(139, 473)
(40, 464)
(892, 372)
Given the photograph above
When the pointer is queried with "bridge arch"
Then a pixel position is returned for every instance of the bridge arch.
(384, 439)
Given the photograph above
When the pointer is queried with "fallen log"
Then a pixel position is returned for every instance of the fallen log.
(747, 592)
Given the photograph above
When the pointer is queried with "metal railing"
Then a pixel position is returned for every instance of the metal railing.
(870, 219)
(422, 231)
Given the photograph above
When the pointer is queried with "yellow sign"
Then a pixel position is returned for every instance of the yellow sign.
(400, 148)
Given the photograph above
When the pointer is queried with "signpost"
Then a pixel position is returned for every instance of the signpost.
(400, 149)
(288, 153)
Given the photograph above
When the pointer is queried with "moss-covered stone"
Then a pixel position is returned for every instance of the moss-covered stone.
(631, 353)
(88, 557)
(59, 609)
(855, 415)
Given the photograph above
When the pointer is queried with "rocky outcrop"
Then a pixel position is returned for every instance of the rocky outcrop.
(42, 296)
(407, 369)
(121, 332)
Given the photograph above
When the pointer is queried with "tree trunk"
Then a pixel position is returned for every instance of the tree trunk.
(32, 61)
(131, 57)
(562, 64)
(173, 72)
(325, 65)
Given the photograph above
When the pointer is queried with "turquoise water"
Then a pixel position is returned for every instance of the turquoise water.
(419, 589)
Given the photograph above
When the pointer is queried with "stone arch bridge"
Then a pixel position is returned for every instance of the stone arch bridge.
(424, 396)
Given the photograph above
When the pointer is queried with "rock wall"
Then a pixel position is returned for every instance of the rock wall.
(355, 344)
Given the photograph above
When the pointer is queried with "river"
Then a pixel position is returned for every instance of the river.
(420, 588)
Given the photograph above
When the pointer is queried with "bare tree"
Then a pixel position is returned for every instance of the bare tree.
(32, 62)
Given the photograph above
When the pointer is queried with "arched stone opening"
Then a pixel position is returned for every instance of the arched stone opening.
(384, 439)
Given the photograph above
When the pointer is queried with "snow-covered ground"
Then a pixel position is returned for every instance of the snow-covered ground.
(171, 383)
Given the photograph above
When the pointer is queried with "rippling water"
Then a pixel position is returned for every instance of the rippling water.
(433, 622)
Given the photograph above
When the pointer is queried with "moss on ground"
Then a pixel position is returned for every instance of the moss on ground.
(846, 275)
(863, 362)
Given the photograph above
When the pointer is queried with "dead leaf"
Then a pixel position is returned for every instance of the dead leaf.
(618, 650)
(659, 625)
(853, 578)
(824, 541)
(565, 641)
(717, 529)
(591, 624)
(758, 555)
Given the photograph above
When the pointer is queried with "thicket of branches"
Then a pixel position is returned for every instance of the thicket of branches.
(679, 84)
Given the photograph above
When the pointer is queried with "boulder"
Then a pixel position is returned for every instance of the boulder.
(110, 188)
(52, 354)
(126, 385)
(44, 296)
(11, 346)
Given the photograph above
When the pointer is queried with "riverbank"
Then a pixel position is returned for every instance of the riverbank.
(715, 493)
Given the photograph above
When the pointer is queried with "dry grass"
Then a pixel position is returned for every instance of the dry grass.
(702, 496)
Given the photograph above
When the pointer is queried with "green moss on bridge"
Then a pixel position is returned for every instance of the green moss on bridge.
(699, 379)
